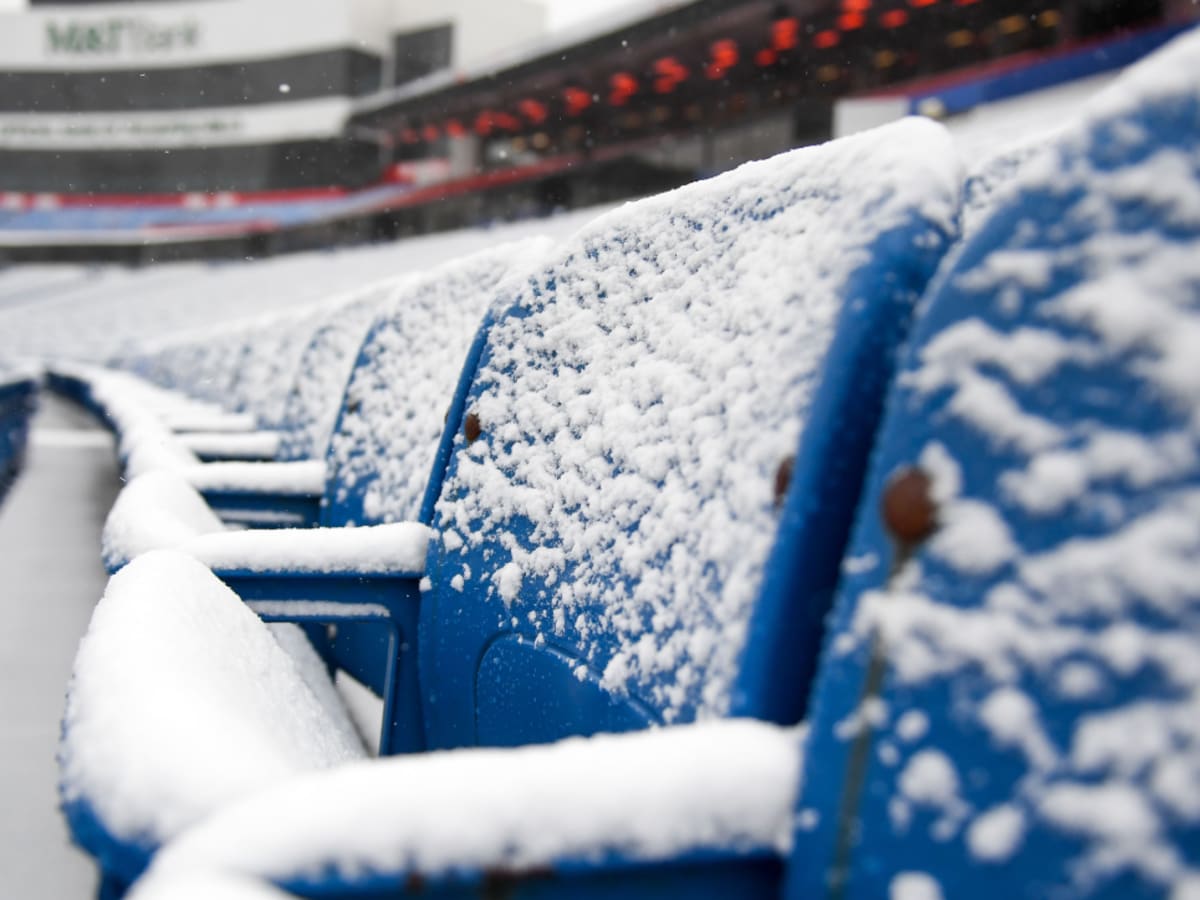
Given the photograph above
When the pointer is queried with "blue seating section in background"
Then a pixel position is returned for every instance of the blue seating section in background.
(18, 398)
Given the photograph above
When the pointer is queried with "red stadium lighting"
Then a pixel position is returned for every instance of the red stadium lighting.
(855, 6)
(894, 18)
(724, 56)
(851, 21)
(507, 121)
(669, 72)
(409, 136)
(624, 86)
(918, 4)
(533, 110)
(454, 128)
(785, 34)
(766, 57)
(577, 100)
(823, 40)
(431, 132)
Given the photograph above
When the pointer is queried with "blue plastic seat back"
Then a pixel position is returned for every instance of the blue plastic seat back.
(619, 544)
(18, 397)
(394, 406)
(1007, 701)
(312, 403)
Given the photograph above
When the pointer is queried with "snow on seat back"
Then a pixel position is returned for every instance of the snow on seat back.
(267, 370)
(315, 397)
(610, 504)
(1007, 703)
(394, 407)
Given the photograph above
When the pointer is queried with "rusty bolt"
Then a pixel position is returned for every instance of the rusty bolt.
(909, 513)
(783, 479)
(472, 428)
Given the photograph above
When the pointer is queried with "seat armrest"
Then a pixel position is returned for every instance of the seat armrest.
(717, 791)
(394, 550)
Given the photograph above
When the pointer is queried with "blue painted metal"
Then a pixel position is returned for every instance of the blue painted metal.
(18, 401)
(708, 875)
(980, 681)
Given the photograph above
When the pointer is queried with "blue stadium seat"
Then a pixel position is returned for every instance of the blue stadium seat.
(1007, 699)
(390, 390)
(18, 398)
(641, 496)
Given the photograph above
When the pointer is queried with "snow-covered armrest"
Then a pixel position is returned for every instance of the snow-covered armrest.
(721, 787)
(182, 700)
(231, 445)
(200, 419)
(302, 478)
(396, 549)
(204, 886)
(154, 511)
(261, 494)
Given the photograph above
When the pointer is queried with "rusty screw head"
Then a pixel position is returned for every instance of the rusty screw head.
(783, 479)
(472, 428)
(909, 513)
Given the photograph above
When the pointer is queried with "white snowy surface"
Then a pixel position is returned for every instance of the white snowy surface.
(154, 511)
(232, 445)
(49, 535)
(398, 394)
(160, 510)
(637, 421)
(98, 312)
(989, 127)
(1086, 635)
(651, 795)
(394, 549)
(204, 886)
(300, 478)
(312, 405)
(182, 701)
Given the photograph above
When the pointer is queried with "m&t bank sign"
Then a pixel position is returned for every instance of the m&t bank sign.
(119, 36)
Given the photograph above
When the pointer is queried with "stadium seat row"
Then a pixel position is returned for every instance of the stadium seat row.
(18, 395)
(870, 511)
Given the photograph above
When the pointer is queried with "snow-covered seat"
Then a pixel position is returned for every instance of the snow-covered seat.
(170, 405)
(645, 481)
(390, 381)
(1008, 699)
(381, 406)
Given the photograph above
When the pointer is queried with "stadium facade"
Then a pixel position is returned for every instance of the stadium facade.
(218, 127)
(218, 95)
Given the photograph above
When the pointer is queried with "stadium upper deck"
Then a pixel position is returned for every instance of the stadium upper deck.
(212, 95)
(165, 123)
